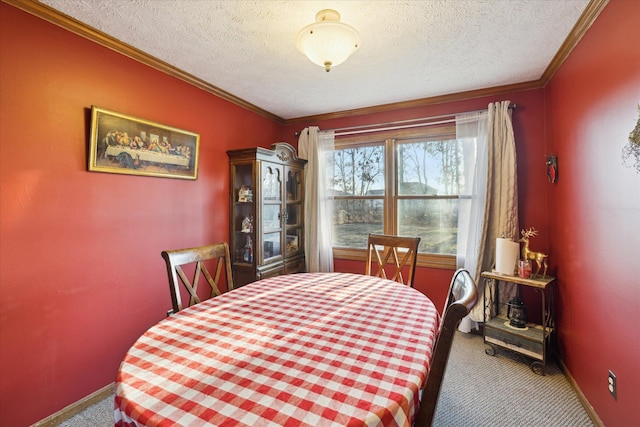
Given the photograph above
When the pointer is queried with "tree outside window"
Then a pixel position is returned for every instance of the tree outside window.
(408, 185)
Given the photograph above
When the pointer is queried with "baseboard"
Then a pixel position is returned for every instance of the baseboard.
(585, 403)
(76, 407)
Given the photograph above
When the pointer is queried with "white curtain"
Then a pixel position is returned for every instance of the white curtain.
(471, 132)
(318, 203)
(490, 207)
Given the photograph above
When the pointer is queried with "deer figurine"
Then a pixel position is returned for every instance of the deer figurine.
(538, 257)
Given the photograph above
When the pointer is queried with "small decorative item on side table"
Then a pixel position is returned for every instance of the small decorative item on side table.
(524, 268)
(517, 312)
(506, 256)
(538, 257)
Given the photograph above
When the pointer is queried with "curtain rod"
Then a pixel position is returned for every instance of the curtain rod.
(400, 124)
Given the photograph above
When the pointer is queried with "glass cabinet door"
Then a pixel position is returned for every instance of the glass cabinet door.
(294, 240)
(293, 215)
(272, 245)
(271, 182)
(294, 184)
(271, 218)
(293, 211)
(272, 214)
(242, 214)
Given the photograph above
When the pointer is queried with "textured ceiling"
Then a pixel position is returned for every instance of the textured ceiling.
(409, 49)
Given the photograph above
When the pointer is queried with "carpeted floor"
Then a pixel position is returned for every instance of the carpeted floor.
(98, 415)
(478, 390)
(501, 390)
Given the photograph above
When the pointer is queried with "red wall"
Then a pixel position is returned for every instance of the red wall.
(80, 265)
(591, 106)
(528, 123)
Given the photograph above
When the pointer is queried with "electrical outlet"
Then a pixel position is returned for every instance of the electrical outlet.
(613, 386)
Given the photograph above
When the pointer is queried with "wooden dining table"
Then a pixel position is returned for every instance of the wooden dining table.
(309, 349)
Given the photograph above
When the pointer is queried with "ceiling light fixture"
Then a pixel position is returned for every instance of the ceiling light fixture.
(328, 42)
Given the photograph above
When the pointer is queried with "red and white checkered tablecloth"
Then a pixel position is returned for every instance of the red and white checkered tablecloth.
(312, 349)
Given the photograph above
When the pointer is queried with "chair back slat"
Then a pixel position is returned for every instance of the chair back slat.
(175, 260)
(394, 253)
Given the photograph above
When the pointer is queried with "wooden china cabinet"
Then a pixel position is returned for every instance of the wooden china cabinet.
(266, 212)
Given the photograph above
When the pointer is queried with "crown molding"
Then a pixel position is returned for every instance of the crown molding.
(421, 102)
(585, 21)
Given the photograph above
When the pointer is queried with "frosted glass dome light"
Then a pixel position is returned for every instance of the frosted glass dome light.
(328, 42)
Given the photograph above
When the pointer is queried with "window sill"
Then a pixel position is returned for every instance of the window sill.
(447, 262)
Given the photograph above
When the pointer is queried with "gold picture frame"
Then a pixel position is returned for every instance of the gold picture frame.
(128, 145)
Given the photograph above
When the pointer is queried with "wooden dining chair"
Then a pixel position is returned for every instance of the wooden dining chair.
(462, 296)
(217, 254)
(391, 254)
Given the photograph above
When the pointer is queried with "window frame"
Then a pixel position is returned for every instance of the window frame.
(390, 140)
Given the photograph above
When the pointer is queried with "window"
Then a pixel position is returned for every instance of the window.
(406, 183)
